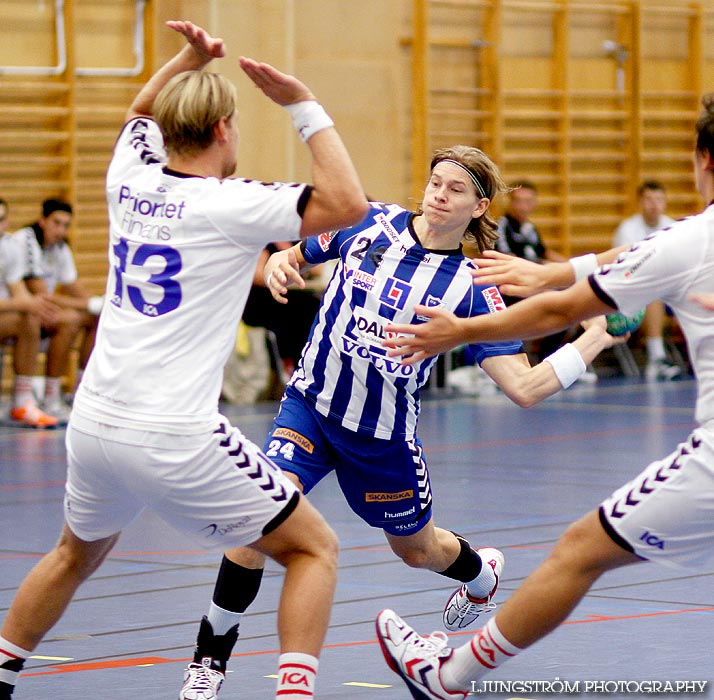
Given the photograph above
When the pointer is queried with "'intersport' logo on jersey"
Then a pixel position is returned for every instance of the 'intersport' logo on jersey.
(493, 298)
(361, 280)
(395, 293)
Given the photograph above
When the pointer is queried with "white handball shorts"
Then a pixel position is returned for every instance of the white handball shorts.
(666, 514)
(219, 488)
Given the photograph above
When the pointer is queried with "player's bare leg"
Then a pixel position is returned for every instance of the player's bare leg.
(451, 555)
(44, 596)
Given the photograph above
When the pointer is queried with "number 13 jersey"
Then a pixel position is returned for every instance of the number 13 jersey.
(182, 254)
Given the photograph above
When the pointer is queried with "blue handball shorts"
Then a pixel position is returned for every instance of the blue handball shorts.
(386, 482)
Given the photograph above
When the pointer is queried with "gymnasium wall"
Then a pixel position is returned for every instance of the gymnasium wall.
(529, 81)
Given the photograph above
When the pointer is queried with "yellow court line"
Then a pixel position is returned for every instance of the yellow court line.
(52, 658)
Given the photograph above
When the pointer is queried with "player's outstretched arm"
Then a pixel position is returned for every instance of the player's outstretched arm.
(517, 277)
(338, 198)
(527, 386)
(200, 49)
(531, 318)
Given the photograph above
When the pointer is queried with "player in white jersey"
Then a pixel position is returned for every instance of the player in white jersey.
(145, 429)
(50, 270)
(665, 514)
(351, 409)
(21, 317)
(652, 197)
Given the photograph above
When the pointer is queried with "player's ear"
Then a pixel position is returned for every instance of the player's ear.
(481, 206)
(220, 130)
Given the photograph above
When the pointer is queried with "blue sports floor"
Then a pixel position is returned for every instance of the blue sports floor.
(503, 476)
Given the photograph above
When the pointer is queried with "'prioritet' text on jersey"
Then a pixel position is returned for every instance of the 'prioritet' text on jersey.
(138, 209)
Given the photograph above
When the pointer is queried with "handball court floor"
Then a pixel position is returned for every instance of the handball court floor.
(501, 475)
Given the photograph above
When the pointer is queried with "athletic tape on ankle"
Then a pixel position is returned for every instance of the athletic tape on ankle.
(584, 265)
(567, 363)
(309, 117)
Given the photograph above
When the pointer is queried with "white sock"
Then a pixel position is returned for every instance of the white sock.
(296, 676)
(487, 650)
(52, 390)
(11, 660)
(22, 393)
(483, 584)
(222, 620)
(655, 349)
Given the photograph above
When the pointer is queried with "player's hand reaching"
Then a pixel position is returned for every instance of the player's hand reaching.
(600, 323)
(515, 277)
(417, 342)
(282, 270)
(281, 88)
(206, 46)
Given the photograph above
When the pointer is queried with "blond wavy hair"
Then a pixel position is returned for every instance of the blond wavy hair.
(188, 108)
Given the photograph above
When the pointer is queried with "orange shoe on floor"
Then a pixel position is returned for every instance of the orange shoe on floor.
(31, 416)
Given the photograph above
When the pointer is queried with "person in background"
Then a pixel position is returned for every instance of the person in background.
(21, 317)
(652, 198)
(50, 270)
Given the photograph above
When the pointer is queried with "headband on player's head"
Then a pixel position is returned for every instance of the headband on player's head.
(474, 179)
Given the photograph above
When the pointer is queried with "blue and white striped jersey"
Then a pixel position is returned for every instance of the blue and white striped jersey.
(382, 273)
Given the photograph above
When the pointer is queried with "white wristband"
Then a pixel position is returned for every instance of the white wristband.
(94, 305)
(567, 363)
(309, 117)
(584, 265)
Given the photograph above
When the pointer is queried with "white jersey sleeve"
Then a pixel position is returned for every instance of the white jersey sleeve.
(31, 252)
(671, 265)
(11, 266)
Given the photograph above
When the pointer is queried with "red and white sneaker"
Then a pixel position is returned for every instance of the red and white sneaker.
(415, 658)
(462, 609)
(32, 416)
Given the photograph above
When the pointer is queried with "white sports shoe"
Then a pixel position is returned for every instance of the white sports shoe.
(416, 659)
(59, 409)
(201, 682)
(462, 609)
(662, 369)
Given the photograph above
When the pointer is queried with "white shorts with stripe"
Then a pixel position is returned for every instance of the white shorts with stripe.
(666, 514)
(218, 488)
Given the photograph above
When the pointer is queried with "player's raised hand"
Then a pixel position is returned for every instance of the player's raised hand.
(514, 276)
(205, 45)
(417, 342)
(281, 88)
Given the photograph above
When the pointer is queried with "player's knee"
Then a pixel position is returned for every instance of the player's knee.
(579, 546)
(415, 557)
(77, 561)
